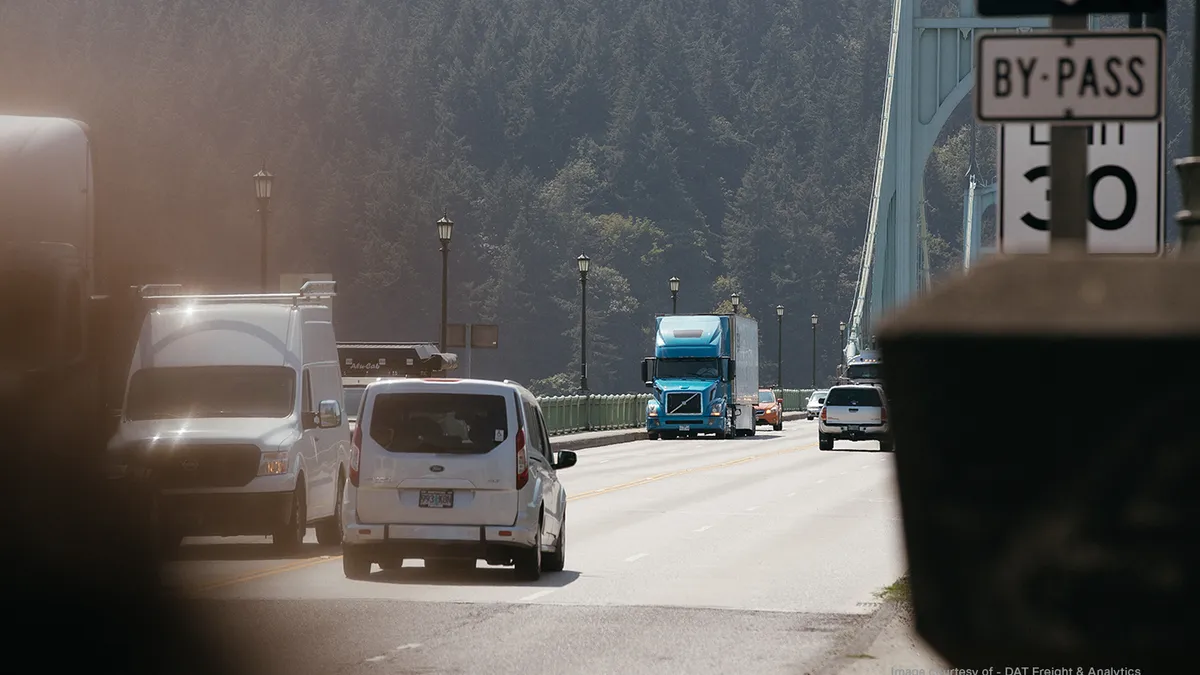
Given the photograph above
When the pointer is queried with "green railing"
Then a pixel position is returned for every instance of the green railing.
(601, 412)
(794, 400)
(594, 412)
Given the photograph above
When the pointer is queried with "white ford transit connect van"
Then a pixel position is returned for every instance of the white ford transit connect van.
(451, 472)
(234, 406)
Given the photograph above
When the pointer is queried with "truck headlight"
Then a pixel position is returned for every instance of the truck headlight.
(273, 463)
(652, 408)
(717, 408)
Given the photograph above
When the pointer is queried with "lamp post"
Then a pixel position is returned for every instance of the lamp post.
(262, 190)
(814, 364)
(733, 300)
(584, 262)
(779, 379)
(445, 228)
(674, 284)
(842, 345)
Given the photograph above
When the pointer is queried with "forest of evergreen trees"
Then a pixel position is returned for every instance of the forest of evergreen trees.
(726, 142)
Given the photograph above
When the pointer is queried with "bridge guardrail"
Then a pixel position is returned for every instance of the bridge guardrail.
(602, 412)
(794, 400)
(593, 412)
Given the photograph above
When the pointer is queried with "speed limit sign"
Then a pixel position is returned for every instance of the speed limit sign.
(1125, 188)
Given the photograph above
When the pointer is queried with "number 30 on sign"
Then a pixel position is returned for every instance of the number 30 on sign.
(1125, 188)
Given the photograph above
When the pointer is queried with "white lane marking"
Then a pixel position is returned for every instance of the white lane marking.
(752, 508)
(636, 557)
(866, 466)
(821, 481)
(791, 494)
(701, 529)
(384, 657)
(603, 461)
(845, 472)
(540, 594)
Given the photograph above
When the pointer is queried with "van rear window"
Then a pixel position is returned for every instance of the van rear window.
(852, 396)
(430, 423)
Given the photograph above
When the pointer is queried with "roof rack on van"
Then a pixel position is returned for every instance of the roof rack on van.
(311, 291)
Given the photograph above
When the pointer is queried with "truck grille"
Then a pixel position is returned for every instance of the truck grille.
(202, 466)
(684, 403)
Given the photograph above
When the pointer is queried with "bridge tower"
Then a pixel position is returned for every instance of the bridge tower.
(930, 70)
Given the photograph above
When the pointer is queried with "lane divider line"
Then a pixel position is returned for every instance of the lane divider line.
(301, 564)
(540, 594)
(635, 558)
(298, 565)
(683, 472)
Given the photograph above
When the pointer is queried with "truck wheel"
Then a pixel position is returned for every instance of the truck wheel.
(652, 436)
(824, 442)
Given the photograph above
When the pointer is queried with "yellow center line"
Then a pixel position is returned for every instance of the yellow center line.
(310, 562)
(683, 472)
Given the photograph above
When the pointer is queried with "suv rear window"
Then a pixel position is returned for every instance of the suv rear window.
(472, 424)
(854, 396)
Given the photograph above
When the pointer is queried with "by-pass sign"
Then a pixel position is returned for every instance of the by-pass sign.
(1070, 77)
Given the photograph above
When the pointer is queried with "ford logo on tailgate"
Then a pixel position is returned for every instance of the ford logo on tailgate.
(437, 468)
(190, 464)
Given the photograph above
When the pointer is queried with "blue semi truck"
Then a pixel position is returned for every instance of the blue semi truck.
(704, 373)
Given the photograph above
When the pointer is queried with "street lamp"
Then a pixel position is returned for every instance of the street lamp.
(262, 190)
(779, 379)
(842, 344)
(734, 299)
(584, 262)
(814, 364)
(674, 283)
(445, 228)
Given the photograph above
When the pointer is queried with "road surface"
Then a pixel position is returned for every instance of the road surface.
(752, 555)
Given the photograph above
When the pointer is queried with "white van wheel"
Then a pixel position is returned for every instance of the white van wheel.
(555, 562)
(329, 531)
(529, 561)
(290, 535)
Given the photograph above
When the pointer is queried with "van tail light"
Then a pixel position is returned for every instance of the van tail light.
(522, 460)
(882, 413)
(823, 418)
(355, 454)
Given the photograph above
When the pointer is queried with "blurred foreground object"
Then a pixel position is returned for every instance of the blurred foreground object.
(1062, 532)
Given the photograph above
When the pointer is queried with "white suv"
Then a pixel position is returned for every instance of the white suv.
(854, 413)
(451, 472)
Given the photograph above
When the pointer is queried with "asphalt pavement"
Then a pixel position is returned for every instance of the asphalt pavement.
(754, 555)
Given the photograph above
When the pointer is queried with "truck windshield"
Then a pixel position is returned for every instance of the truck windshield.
(353, 400)
(688, 369)
(211, 391)
(865, 371)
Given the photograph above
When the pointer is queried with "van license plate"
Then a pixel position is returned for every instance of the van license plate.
(436, 499)
(684, 427)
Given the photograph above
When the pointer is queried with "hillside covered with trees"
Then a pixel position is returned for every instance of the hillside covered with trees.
(726, 142)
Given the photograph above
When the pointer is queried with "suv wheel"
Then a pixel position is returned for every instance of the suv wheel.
(289, 536)
(886, 446)
(529, 561)
(329, 531)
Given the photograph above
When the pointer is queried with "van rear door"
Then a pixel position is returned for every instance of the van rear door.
(445, 455)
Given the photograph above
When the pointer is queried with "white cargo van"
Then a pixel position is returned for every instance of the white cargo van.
(453, 471)
(234, 407)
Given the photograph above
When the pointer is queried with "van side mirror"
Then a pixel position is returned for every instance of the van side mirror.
(566, 460)
(329, 414)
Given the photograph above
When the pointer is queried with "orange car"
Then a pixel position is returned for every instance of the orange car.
(769, 410)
